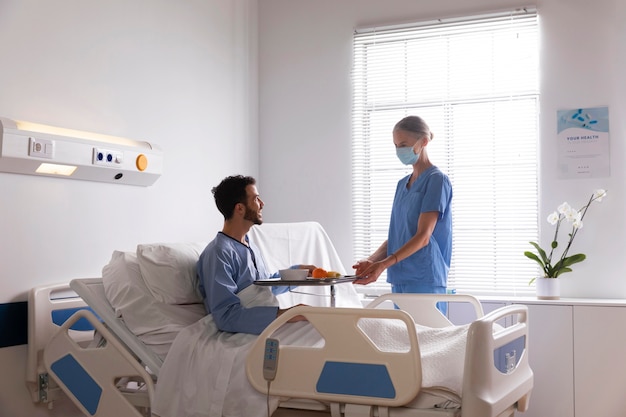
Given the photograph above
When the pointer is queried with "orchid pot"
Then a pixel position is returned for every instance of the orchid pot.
(548, 288)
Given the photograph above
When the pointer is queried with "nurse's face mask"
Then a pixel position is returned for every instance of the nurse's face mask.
(407, 155)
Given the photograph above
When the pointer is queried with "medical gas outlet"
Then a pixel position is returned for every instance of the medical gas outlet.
(107, 157)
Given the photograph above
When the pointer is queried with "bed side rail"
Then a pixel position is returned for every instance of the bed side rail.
(49, 306)
(423, 307)
(93, 376)
(489, 390)
(348, 358)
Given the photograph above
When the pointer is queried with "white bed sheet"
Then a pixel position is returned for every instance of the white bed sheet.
(204, 373)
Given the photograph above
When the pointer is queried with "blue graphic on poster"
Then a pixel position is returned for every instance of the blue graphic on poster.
(583, 136)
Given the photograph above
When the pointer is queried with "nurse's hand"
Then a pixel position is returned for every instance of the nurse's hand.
(361, 266)
(370, 273)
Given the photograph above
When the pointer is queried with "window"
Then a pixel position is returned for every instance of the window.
(475, 82)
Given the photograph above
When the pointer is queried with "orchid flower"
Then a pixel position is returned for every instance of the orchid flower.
(570, 215)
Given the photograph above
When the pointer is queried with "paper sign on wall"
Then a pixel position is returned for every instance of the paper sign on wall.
(583, 136)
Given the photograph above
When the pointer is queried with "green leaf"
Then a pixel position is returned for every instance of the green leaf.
(554, 244)
(562, 271)
(574, 259)
(541, 252)
(535, 258)
(563, 265)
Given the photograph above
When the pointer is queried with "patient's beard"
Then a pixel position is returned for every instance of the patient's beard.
(253, 216)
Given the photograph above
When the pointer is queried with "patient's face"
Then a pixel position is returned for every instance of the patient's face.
(254, 205)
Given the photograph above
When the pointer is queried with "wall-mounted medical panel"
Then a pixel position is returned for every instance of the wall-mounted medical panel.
(35, 149)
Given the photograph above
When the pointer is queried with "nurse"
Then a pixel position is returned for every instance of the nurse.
(418, 248)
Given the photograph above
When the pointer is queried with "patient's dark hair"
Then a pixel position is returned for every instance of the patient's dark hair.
(229, 192)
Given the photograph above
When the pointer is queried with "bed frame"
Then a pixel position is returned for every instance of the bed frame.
(109, 378)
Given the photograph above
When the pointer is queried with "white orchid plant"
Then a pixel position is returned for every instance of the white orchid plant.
(563, 213)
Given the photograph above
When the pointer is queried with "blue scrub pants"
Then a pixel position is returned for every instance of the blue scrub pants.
(421, 289)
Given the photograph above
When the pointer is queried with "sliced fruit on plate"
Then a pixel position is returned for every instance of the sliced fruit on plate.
(322, 273)
(319, 273)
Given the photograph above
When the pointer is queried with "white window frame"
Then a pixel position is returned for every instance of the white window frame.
(408, 69)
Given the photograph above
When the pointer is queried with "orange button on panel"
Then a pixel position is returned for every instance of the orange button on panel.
(141, 162)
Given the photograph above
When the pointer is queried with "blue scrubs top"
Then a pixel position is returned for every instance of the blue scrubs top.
(227, 266)
(429, 266)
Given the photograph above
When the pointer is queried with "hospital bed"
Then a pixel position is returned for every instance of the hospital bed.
(117, 372)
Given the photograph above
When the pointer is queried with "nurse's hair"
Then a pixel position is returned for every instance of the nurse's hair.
(415, 125)
(229, 192)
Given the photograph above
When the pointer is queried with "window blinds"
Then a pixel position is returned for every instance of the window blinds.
(475, 82)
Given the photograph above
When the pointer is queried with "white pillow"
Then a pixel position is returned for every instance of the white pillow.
(122, 281)
(155, 323)
(169, 271)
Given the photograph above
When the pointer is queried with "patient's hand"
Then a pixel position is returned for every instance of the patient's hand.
(294, 318)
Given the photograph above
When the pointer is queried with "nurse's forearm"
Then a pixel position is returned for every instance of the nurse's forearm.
(425, 227)
(414, 244)
(380, 254)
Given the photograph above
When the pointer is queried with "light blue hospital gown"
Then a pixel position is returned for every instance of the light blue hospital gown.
(226, 266)
(428, 267)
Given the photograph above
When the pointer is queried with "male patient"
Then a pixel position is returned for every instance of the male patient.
(230, 263)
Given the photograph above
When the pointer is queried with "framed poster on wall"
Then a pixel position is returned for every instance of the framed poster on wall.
(583, 143)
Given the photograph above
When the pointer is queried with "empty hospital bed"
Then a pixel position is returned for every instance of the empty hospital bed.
(117, 373)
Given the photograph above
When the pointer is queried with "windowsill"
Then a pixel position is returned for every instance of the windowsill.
(601, 302)
(368, 294)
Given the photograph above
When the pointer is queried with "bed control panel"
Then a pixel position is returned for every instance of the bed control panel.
(270, 359)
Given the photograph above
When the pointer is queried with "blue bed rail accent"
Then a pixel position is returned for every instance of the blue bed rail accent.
(78, 381)
(363, 379)
(60, 316)
(506, 357)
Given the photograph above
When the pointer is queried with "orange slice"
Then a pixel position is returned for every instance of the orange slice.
(319, 273)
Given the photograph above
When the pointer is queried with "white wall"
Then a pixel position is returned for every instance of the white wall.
(305, 130)
(182, 75)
